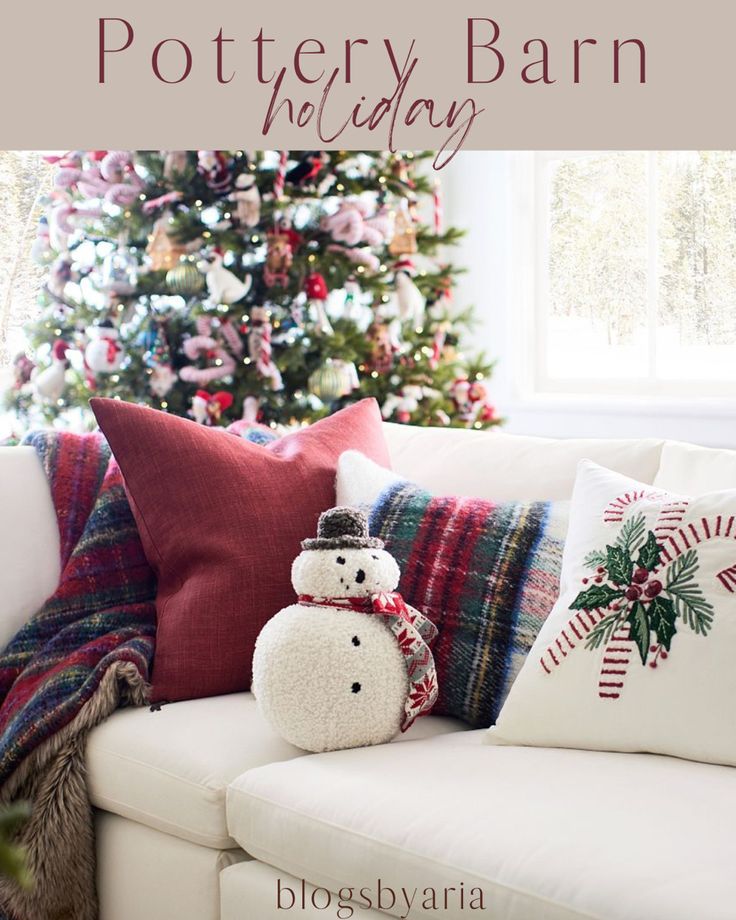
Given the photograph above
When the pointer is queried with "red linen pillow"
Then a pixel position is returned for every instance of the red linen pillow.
(221, 521)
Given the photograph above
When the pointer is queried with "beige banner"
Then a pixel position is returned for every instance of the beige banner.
(514, 74)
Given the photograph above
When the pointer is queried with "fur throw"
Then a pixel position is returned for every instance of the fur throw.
(87, 651)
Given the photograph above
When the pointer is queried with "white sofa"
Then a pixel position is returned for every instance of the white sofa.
(202, 813)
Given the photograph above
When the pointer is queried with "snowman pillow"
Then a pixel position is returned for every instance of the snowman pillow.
(349, 664)
(638, 653)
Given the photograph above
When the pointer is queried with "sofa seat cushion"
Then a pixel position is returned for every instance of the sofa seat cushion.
(170, 768)
(543, 832)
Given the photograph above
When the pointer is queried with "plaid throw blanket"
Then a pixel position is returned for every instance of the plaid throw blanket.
(487, 575)
(86, 651)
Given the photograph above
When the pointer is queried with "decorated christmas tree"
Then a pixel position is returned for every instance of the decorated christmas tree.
(275, 286)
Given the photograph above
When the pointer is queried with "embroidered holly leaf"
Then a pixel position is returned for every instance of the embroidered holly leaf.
(639, 629)
(619, 565)
(596, 596)
(650, 553)
(662, 619)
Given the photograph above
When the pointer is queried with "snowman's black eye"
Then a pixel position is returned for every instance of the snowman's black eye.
(374, 557)
(356, 687)
(356, 641)
(340, 560)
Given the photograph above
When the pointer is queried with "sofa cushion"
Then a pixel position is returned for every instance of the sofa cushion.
(221, 521)
(544, 832)
(29, 539)
(486, 574)
(690, 469)
(637, 654)
(170, 768)
(509, 467)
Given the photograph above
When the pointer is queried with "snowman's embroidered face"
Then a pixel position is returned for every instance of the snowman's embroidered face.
(344, 572)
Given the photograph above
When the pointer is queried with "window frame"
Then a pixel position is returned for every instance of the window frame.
(529, 289)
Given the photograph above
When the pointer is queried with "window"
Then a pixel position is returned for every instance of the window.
(24, 178)
(633, 288)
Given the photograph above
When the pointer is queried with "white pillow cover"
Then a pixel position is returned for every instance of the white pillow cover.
(639, 653)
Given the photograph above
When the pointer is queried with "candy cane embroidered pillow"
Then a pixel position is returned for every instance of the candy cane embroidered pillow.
(639, 652)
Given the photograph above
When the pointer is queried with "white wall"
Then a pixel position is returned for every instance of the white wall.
(477, 196)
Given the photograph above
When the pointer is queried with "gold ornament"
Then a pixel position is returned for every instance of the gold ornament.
(185, 278)
(163, 252)
(404, 242)
(334, 379)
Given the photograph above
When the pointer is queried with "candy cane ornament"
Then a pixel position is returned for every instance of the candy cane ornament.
(232, 337)
(204, 346)
(439, 213)
(280, 177)
(260, 349)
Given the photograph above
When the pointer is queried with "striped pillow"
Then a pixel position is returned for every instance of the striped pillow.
(486, 574)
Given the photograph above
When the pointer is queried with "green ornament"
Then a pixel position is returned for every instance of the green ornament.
(185, 278)
(334, 379)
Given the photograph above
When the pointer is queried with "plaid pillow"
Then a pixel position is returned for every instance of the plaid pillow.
(486, 574)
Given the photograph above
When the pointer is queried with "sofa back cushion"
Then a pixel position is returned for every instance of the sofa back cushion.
(509, 467)
(29, 539)
(689, 469)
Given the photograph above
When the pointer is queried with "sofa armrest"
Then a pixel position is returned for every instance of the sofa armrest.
(29, 539)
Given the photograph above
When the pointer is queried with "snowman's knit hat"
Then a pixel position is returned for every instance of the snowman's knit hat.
(342, 528)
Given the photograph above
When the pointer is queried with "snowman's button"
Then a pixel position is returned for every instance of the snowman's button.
(356, 641)
(356, 687)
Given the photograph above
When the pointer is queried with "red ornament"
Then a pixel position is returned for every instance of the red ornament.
(284, 228)
(59, 350)
(213, 404)
(315, 287)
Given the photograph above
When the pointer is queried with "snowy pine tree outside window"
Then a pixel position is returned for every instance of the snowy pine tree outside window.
(24, 179)
(635, 274)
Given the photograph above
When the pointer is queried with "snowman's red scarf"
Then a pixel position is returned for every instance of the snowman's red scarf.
(414, 633)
